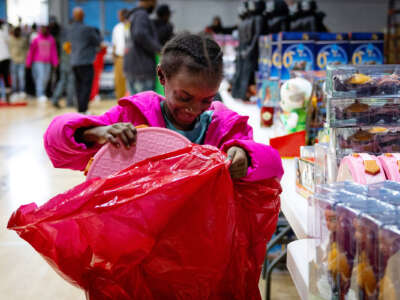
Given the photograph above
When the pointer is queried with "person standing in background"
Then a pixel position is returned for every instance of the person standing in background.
(98, 67)
(5, 58)
(119, 35)
(55, 31)
(41, 57)
(19, 45)
(33, 34)
(165, 30)
(140, 57)
(216, 27)
(85, 42)
(67, 80)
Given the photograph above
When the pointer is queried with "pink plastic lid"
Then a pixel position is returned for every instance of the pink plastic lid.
(391, 165)
(355, 168)
(151, 141)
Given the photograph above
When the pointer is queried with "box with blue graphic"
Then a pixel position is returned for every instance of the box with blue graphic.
(331, 49)
(366, 48)
(264, 58)
(297, 52)
(268, 92)
(276, 61)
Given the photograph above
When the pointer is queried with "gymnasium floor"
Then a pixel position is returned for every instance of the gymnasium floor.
(26, 175)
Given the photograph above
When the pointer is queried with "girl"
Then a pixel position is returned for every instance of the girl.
(191, 72)
(41, 56)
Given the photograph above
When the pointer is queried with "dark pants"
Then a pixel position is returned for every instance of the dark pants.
(83, 84)
(5, 72)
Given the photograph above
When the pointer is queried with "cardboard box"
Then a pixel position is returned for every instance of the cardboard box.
(331, 48)
(366, 48)
(264, 59)
(268, 91)
(276, 60)
(297, 52)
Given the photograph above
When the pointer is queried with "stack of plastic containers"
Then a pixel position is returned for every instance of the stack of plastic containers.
(363, 110)
(357, 233)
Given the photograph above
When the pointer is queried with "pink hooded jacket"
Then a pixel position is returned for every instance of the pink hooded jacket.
(42, 49)
(226, 129)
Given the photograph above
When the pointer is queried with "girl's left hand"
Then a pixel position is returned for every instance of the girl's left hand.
(239, 162)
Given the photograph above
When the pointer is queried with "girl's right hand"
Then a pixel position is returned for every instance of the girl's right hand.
(114, 134)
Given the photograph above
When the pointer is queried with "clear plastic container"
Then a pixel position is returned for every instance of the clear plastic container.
(322, 276)
(363, 112)
(324, 268)
(307, 151)
(351, 81)
(386, 191)
(325, 164)
(365, 277)
(390, 185)
(373, 140)
(344, 254)
(389, 262)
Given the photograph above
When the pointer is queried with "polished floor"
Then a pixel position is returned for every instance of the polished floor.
(26, 175)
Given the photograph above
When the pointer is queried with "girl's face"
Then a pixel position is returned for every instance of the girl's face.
(187, 96)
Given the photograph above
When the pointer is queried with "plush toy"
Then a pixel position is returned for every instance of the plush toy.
(294, 94)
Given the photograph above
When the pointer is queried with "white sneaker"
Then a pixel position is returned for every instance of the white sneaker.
(42, 99)
(22, 96)
(14, 98)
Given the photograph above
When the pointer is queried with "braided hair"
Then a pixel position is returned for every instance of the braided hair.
(199, 55)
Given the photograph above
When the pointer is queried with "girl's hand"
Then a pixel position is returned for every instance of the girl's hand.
(115, 134)
(239, 162)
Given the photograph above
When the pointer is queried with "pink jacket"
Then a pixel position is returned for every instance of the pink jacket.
(226, 129)
(42, 49)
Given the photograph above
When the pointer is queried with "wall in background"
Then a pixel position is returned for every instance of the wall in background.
(195, 15)
(342, 15)
(355, 15)
(30, 11)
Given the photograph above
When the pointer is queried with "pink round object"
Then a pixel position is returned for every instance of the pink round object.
(353, 168)
(151, 141)
(391, 164)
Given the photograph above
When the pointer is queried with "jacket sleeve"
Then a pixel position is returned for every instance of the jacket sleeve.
(265, 161)
(60, 144)
(140, 34)
(31, 53)
(95, 37)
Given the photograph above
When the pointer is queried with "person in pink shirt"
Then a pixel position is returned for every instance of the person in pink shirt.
(191, 71)
(41, 57)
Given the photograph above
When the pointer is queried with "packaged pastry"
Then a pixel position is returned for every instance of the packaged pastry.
(363, 112)
(363, 81)
(347, 214)
(389, 262)
(374, 140)
(366, 277)
(323, 268)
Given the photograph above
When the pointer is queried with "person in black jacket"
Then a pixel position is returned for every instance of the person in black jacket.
(276, 16)
(142, 47)
(164, 27)
(249, 32)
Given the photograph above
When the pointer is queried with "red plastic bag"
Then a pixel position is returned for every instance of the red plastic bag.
(170, 227)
